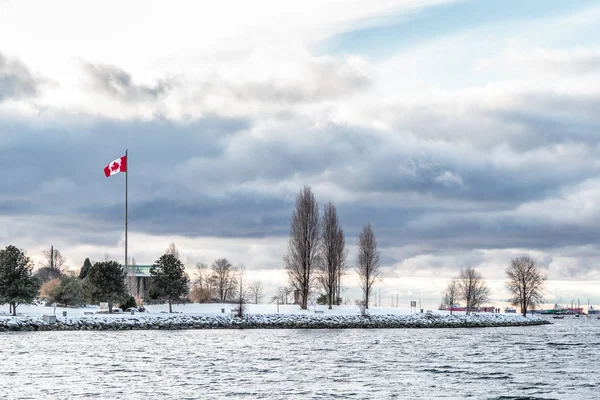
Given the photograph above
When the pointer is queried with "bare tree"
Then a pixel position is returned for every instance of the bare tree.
(202, 285)
(277, 298)
(451, 294)
(282, 295)
(342, 266)
(202, 276)
(333, 254)
(301, 258)
(287, 290)
(224, 278)
(52, 267)
(256, 290)
(172, 249)
(241, 292)
(367, 268)
(526, 283)
(472, 288)
(53, 258)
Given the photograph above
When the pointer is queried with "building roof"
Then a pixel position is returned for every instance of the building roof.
(138, 270)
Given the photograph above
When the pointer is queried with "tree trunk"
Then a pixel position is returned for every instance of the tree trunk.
(304, 303)
(14, 309)
(468, 307)
(170, 309)
(110, 306)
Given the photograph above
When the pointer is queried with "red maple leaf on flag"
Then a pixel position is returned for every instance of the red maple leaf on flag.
(116, 166)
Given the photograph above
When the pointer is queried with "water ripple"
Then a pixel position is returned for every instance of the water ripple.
(546, 362)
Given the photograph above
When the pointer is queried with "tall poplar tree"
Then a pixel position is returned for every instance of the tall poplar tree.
(303, 248)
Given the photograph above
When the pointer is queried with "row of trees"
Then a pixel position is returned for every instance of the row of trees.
(101, 282)
(470, 287)
(525, 283)
(105, 281)
(317, 254)
(19, 285)
(221, 282)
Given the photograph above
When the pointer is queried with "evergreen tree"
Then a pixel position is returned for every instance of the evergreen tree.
(69, 292)
(85, 269)
(169, 281)
(17, 284)
(105, 282)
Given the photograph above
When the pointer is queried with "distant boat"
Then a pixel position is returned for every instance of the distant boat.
(593, 311)
(557, 316)
(510, 310)
(559, 310)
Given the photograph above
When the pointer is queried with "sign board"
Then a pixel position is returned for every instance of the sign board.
(413, 303)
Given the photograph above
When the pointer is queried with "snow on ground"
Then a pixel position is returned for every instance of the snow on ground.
(207, 316)
(216, 308)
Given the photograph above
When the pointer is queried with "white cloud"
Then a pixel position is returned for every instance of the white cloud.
(576, 205)
(448, 178)
(473, 137)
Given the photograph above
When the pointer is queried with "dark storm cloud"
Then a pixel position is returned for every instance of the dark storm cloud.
(582, 261)
(16, 81)
(60, 170)
(117, 83)
(214, 177)
(230, 216)
(552, 118)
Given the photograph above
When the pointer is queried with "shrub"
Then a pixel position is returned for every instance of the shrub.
(48, 289)
(129, 303)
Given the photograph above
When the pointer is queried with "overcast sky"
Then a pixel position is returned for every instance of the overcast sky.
(467, 133)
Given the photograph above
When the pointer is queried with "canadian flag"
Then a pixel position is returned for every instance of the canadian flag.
(119, 165)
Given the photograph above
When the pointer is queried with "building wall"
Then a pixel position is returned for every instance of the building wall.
(138, 281)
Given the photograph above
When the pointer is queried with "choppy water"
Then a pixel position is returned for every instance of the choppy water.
(560, 361)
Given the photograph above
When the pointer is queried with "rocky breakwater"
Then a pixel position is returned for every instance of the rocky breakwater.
(266, 321)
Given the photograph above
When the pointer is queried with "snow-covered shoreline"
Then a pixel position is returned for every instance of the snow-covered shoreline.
(265, 321)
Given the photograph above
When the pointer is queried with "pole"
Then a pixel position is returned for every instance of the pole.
(52, 257)
(126, 183)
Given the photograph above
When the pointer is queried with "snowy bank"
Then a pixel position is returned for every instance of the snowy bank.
(266, 321)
